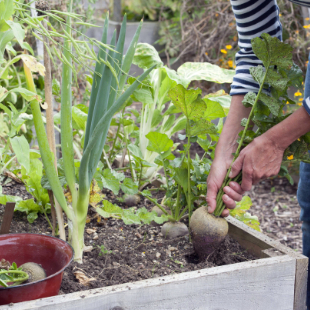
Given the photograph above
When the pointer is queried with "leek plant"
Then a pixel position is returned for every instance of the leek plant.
(107, 97)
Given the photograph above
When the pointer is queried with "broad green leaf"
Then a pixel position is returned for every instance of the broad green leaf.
(180, 125)
(129, 187)
(224, 101)
(244, 121)
(143, 95)
(203, 127)
(6, 11)
(27, 206)
(187, 102)
(272, 103)
(129, 218)
(158, 142)
(135, 150)
(172, 110)
(156, 118)
(181, 177)
(276, 80)
(146, 56)
(7, 198)
(109, 209)
(295, 76)
(196, 71)
(21, 149)
(245, 203)
(32, 216)
(26, 94)
(79, 118)
(5, 37)
(168, 123)
(258, 73)
(249, 99)
(272, 52)
(214, 110)
(110, 182)
(18, 31)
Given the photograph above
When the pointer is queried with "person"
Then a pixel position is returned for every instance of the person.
(263, 156)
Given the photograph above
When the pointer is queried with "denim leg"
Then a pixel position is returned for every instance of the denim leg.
(303, 195)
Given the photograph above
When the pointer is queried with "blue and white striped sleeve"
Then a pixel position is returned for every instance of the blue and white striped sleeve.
(253, 17)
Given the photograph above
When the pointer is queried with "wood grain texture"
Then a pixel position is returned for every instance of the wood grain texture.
(263, 246)
(301, 284)
(265, 284)
(7, 218)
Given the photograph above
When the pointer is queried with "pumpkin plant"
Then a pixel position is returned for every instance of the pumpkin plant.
(267, 105)
(107, 97)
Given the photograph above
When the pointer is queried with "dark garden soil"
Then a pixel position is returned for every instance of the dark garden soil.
(125, 253)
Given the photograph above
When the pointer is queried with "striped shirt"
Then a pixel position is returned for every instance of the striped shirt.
(254, 17)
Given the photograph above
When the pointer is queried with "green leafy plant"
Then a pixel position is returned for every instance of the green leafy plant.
(107, 97)
(157, 112)
(103, 250)
(11, 275)
(278, 74)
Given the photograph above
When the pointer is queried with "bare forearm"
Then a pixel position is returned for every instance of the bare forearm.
(289, 130)
(232, 127)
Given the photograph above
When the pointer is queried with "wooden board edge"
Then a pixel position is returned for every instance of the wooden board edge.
(256, 242)
(301, 276)
(57, 301)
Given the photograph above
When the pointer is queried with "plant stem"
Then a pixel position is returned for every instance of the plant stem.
(140, 175)
(25, 274)
(114, 142)
(55, 208)
(156, 203)
(188, 168)
(220, 206)
(130, 163)
(177, 208)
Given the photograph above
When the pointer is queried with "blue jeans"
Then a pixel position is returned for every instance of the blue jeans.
(303, 195)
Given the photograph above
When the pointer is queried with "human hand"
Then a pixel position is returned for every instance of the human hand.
(215, 180)
(260, 159)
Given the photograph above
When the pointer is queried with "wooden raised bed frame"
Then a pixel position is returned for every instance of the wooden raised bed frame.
(276, 281)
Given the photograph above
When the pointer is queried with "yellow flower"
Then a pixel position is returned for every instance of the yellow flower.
(307, 18)
(299, 103)
(230, 63)
(305, 26)
(235, 38)
(223, 51)
(287, 102)
(216, 15)
(229, 47)
(290, 157)
(306, 63)
(206, 53)
(297, 94)
(280, 14)
(300, 99)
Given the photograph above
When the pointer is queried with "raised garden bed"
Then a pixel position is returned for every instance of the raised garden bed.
(277, 280)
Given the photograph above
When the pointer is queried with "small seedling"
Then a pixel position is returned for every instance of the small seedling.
(103, 250)
(273, 189)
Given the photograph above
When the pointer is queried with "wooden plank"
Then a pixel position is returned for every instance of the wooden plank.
(256, 285)
(301, 284)
(263, 246)
(7, 218)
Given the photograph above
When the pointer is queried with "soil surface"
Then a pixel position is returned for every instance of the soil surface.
(125, 253)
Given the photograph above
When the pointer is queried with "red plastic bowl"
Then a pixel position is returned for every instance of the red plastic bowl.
(53, 254)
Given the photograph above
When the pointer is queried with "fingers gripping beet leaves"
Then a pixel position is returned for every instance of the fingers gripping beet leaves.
(274, 78)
